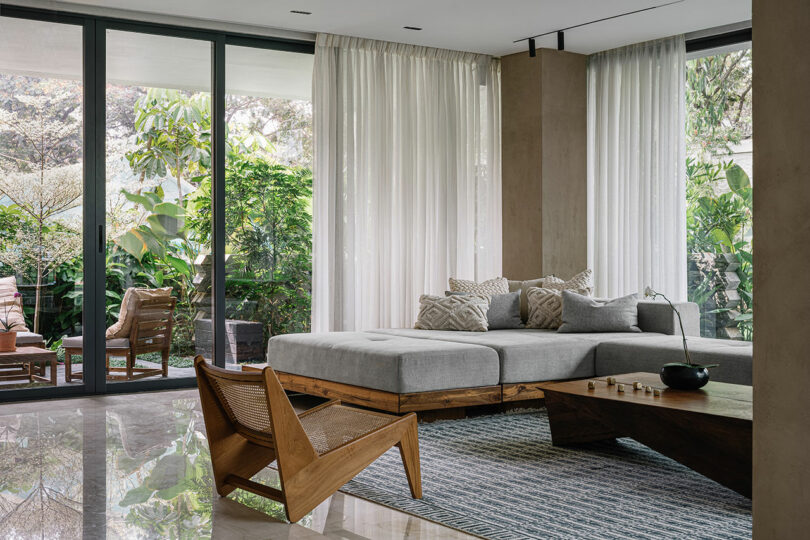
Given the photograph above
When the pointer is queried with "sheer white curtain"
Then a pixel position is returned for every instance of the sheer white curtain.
(407, 179)
(637, 169)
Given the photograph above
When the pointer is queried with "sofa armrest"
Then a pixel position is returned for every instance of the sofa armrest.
(657, 316)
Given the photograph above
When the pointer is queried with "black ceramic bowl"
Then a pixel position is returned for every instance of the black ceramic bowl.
(684, 377)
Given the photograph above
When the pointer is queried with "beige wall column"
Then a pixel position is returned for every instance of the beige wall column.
(544, 152)
(781, 253)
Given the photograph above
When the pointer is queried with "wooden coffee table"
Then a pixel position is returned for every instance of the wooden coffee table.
(708, 430)
(32, 360)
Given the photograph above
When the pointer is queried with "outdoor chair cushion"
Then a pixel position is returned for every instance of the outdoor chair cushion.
(75, 342)
(122, 327)
(8, 286)
(27, 338)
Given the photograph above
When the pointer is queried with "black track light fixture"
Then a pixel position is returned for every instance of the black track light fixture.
(561, 34)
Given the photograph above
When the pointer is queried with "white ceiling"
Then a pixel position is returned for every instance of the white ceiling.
(485, 26)
(44, 49)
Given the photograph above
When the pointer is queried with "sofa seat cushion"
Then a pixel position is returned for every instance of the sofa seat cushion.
(384, 362)
(529, 355)
(631, 355)
(28, 338)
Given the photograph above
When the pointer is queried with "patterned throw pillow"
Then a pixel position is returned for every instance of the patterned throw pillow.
(581, 283)
(467, 313)
(524, 286)
(545, 308)
(8, 286)
(487, 288)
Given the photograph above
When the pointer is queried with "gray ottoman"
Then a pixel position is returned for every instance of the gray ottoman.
(389, 363)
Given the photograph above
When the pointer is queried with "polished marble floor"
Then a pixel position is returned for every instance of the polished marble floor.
(137, 466)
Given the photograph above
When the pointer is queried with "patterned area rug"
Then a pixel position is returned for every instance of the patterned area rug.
(499, 477)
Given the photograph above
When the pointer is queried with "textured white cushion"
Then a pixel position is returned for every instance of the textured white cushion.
(122, 327)
(581, 283)
(75, 342)
(489, 287)
(452, 313)
(545, 308)
(523, 287)
(8, 286)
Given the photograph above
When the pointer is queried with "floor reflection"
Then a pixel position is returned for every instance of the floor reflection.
(144, 464)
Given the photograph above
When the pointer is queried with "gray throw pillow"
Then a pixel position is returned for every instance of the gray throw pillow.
(585, 314)
(503, 312)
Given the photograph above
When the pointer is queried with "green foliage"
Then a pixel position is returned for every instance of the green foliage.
(718, 100)
(268, 215)
(719, 192)
(165, 250)
(719, 221)
(268, 225)
(172, 134)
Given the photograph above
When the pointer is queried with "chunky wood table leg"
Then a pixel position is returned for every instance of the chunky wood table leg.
(53, 370)
(717, 447)
(571, 424)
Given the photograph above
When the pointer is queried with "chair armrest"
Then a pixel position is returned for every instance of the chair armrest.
(657, 316)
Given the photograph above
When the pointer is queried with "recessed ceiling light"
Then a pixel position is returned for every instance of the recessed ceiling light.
(298, 12)
(411, 28)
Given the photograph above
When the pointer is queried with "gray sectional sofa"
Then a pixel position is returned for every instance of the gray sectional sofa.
(407, 369)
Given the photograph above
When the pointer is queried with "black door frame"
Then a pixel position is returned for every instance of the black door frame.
(94, 29)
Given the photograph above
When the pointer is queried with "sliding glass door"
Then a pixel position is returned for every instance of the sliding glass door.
(158, 208)
(155, 199)
(41, 196)
(268, 199)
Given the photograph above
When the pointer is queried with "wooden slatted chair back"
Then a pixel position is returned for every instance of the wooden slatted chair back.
(152, 326)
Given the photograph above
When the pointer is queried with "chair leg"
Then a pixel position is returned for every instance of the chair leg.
(165, 356)
(130, 364)
(68, 374)
(409, 450)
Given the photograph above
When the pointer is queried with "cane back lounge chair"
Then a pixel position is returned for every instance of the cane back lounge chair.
(151, 331)
(250, 422)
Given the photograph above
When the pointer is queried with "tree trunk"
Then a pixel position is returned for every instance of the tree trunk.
(38, 290)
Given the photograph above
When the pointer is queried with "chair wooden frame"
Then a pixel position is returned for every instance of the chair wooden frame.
(307, 478)
(151, 332)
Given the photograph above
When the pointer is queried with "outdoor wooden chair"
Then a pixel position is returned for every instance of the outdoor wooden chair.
(250, 423)
(151, 331)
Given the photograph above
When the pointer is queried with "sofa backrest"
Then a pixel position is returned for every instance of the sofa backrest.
(657, 316)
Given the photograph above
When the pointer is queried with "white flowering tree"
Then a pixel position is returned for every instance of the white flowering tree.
(37, 179)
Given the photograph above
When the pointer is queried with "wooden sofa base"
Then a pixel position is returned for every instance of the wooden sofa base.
(458, 398)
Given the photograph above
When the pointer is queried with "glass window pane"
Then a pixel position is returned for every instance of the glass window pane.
(719, 192)
(158, 204)
(41, 190)
(268, 210)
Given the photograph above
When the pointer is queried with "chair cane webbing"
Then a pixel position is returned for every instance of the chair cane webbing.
(336, 425)
(245, 403)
